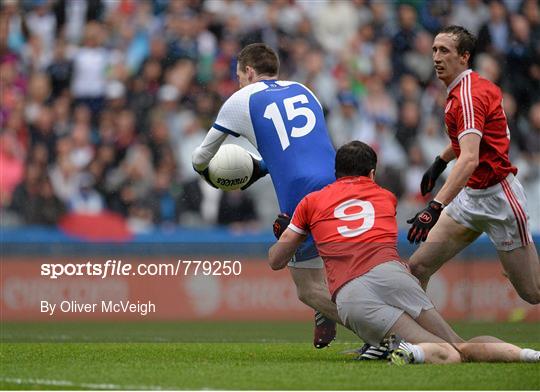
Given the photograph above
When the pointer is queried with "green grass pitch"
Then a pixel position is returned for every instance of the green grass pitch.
(232, 355)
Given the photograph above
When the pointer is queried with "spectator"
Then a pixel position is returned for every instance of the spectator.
(199, 203)
(125, 133)
(39, 92)
(403, 40)
(344, 122)
(408, 124)
(378, 103)
(419, 60)
(409, 89)
(115, 95)
(334, 25)
(316, 76)
(62, 115)
(65, 178)
(60, 70)
(471, 14)
(82, 150)
(34, 54)
(533, 133)
(162, 200)
(48, 207)
(520, 63)
(140, 217)
(413, 176)
(494, 35)
(14, 87)
(237, 209)
(13, 21)
(86, 200)
(12, 164)
(167, 110)
(488, 67)
(42, 130)
(90, 64)
(432, 138)
(434, 14)
(27, 187)
(192, 137)
(72, 16)
(41, 23)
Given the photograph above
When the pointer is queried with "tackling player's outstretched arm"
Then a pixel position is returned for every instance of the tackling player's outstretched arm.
(282, 251)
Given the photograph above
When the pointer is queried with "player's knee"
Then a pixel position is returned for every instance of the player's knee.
(312, 296)
(454, 356)
(419, 270)
(532, 298)
(303, 297)
(530, 295)
(305, 294)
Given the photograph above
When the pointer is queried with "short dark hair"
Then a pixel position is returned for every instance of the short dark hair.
(261, 57)
(466, 42)
(355, 159)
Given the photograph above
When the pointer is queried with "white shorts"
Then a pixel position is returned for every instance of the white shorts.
(500, 211)
(371, 304)
(315, 263)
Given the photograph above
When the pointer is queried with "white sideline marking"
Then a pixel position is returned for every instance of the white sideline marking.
(66, 383)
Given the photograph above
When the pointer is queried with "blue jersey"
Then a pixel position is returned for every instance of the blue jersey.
(285, 122)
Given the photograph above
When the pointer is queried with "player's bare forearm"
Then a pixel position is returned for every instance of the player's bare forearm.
(448, 153)
(465, 166)
(282, 251)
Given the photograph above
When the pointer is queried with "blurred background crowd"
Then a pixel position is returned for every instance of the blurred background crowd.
(103, 101)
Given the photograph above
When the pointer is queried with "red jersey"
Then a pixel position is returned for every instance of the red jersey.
(474, 105)
(353, 223)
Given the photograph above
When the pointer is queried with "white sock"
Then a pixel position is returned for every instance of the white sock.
(417, 351)
(528, 355)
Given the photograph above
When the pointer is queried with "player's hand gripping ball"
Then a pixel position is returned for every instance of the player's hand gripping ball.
(231, 168)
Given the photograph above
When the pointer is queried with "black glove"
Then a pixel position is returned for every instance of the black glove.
(206, 176)
(424, 221)
(259, 171)
(280, 224)
(431, 175)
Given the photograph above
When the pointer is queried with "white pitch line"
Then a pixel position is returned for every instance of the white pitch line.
(66, 383)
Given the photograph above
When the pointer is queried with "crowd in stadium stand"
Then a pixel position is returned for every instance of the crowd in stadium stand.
(103, 101)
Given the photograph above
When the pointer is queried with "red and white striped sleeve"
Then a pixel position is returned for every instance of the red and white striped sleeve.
(471, 113)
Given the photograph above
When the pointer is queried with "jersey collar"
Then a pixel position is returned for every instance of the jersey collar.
(458, 79)
(354, 179)
(268, 82)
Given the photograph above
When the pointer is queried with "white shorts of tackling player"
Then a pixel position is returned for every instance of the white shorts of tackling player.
(315, 263)
(371, 304)
(500, 211)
